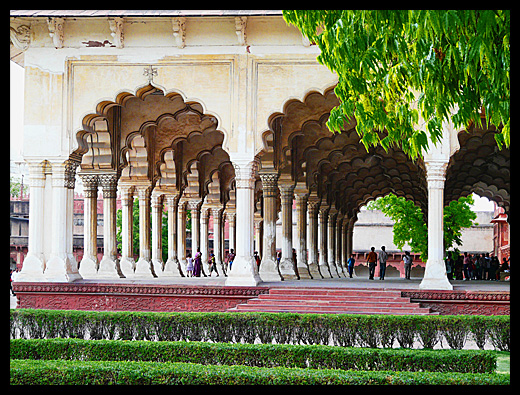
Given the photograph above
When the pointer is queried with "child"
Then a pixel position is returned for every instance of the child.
(189, 266)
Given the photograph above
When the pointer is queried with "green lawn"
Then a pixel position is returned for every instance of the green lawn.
(503, 361)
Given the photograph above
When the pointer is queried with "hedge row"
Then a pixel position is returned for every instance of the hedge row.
(261, 355)
(103, 372)
(345, 330)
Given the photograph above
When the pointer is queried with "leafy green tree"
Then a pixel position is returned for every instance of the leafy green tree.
(410, 226)
(14, 187)
(408, 71)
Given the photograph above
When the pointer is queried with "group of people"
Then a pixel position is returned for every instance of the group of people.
(194, 265)
(382, 257)
(475, 267)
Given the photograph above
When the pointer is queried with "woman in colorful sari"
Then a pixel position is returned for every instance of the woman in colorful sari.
(197, 263)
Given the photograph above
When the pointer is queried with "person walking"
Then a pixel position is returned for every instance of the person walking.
(197, 264)
(466, 263)
(407, 259)
(351, 261)
(371, 261)
(257, 259)
(494, 268)
(383, 256)
(449, 266)
(487, 267)
(212, 264)
(230, 257)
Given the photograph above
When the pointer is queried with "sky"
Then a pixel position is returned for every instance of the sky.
(16, 127)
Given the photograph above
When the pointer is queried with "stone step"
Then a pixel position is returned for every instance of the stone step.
(331, 310)
(341, 298)
(332, 301)
(317, 303)
(334, 292)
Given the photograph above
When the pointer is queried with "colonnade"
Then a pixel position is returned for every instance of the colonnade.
(151, 200)
(313, 216)
(313, 261)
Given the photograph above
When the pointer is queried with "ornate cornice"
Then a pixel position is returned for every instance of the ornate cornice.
(494, 296)
(21, 37)
(179, 290)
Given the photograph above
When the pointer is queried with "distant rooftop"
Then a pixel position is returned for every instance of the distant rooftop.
(139, 13)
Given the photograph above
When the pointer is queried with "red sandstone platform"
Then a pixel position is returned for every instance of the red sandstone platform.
(360, 296)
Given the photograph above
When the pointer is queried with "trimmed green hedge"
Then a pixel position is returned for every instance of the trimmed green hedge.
(345, 330)
(262, 355)
(30, 372)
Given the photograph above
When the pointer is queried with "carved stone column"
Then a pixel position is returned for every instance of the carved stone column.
(301, 233)
(70, 182)
(144, 264)
(350, 237)
(62, 267)
(172, 266)
(109, 265)
(194, 207)
(339, 250)
(268, 268)
(127, 262)
(331, 241)
(323, 263)
(344, 248)
(89, 264)
(258, 225)
(34, 263)
(181, 233)
(435, 271)
(244, 271)
(204, 238)
(157, 210)
(232, 224)
(287, 266)
(217, 236)
(313, 205)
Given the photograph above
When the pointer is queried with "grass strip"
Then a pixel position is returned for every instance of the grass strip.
(145, 373)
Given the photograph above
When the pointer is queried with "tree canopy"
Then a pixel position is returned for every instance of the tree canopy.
(410, 226)
(406, 72)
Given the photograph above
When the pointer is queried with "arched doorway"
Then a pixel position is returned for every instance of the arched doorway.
(332, 176)
(163, 150)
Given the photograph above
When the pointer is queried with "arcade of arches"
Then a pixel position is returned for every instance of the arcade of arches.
(164, 150)
(227, 128)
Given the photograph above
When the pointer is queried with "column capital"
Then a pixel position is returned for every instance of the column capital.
(245, 172)
(143, 192)
(286, 189)
(269, 184)
(70, 173)
(332, 214)
(157, 200)
(215, 211)
(436, 173)
(195, 204)
(36, 175)
(109, 184)
(230, 216)
(173, 200)
(204, 214)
